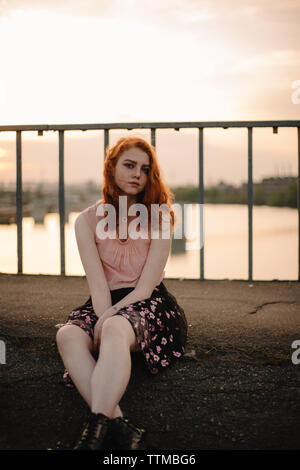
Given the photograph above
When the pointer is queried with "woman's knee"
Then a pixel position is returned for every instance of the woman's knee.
(117, 327)
(69, 335)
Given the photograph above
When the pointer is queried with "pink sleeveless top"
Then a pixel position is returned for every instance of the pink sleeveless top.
(123, 261)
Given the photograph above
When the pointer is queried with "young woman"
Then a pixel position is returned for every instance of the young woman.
(129, 308)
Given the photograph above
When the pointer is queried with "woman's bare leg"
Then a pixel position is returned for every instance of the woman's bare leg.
(75, 348)
(112, 372)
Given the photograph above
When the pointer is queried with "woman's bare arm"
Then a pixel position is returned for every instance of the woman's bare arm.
(98, 286)
(151, 274)
(156, 260)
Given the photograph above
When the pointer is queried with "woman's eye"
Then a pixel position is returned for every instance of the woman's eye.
(130, 165)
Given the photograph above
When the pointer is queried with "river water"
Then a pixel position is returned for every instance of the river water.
(225, 230)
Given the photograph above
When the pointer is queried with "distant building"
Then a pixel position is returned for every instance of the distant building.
(274, 184)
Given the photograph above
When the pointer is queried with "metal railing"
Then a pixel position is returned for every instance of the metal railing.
(153, 126)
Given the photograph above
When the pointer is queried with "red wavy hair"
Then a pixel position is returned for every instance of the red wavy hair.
(156, 190)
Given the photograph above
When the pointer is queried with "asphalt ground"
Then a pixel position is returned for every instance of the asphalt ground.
(236, 388)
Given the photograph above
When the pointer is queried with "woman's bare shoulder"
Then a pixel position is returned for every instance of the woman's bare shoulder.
(92, 209)
(99, 201)
(87, 217)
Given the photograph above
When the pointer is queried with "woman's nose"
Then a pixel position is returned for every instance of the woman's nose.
(137, 172)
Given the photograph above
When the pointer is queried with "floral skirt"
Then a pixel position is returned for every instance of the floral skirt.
(159, 324)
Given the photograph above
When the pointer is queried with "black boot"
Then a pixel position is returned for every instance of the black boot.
(123, 435)
(94, 433)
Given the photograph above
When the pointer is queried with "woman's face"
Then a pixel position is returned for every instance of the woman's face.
(133, 167)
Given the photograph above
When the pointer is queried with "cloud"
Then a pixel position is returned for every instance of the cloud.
(279, 58)
(169, 60)
(72, 7)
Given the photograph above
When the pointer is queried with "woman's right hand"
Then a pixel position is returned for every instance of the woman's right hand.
(97, 333)
(98, 329)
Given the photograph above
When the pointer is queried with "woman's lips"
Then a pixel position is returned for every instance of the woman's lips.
(136, 185)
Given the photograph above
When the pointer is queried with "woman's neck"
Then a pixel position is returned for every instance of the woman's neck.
(131, 200)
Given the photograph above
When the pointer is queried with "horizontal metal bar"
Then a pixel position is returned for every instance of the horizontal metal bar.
(148, 125)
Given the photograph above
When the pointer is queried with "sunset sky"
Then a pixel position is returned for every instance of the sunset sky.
(94, 61)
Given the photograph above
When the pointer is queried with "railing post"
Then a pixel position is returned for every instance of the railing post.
(19, 203)
(61, 202)
(298, 202)
(250, 204)
(153, 137)
(201, 202)
(106, 140)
